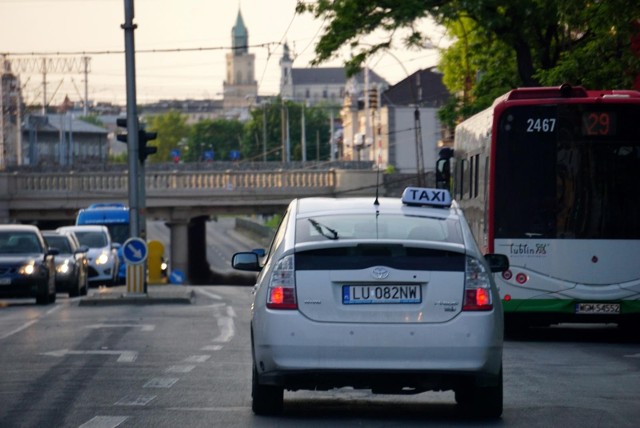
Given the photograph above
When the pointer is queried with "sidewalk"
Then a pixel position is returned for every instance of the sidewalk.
(156, 294)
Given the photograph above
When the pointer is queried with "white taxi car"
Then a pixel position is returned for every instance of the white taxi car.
(386, 294)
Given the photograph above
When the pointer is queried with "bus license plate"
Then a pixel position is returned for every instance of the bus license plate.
(5, 281)
(597, 308)
(378, 294)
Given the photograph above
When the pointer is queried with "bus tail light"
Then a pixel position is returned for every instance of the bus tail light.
(477, 287)
(282, 285)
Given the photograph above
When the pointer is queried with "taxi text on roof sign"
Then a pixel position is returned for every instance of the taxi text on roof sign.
(426, 196)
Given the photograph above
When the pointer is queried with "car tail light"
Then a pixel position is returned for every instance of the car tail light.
(282, 285)
(477, 287)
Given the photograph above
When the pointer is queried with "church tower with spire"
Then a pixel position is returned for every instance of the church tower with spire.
(286, 79)
(240, 87)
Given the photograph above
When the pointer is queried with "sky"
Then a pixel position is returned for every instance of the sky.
(198, 32)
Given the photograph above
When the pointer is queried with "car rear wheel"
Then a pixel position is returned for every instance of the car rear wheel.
(85, 287)
(267, 399)
(76, 290)
(42, 299)
(482, 401)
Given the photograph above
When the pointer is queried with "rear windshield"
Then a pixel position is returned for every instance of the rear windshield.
(19, 243)
(370, 226)
(59, 242)
(395, 256)
(92, 239)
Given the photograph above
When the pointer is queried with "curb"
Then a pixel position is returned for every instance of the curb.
(183, 296)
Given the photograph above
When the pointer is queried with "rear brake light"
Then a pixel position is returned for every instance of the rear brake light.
(477, 287)
(282, 285)
(477, 300)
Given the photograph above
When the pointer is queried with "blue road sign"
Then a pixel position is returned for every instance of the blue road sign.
(176, 277)
(134, 251)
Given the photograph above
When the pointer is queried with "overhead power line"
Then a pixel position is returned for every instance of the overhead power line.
(117, 52)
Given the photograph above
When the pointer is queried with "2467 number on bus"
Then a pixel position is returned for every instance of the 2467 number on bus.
(541, 124)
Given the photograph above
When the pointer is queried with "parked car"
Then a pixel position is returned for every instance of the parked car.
(102, 254)
(382, 294)
(27, 265)
(72, 263)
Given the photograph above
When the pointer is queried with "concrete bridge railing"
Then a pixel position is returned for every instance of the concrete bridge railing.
(51, 195)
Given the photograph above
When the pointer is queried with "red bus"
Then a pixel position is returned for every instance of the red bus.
(550, 177)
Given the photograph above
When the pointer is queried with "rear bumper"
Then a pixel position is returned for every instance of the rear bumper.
(297, 353)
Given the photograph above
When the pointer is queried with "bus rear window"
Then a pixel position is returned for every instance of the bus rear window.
(568, 171)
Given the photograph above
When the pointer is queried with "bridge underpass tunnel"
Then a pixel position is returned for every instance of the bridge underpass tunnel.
(198, 271)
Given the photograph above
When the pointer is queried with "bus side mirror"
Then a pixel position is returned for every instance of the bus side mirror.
(443, 174)
(497, 262)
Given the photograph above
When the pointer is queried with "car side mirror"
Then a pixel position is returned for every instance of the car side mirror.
(246, 261)
(497, 262)
(81, 249)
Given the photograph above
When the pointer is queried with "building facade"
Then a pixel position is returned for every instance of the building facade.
(397, 127)
(62, 140)
(318, 85)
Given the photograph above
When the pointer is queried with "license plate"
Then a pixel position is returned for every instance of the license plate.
(597, 308)
(379, 294)
(5, 281)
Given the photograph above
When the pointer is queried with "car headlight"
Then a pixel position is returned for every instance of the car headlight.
(64, 267)
(28, 269)
(102, 259)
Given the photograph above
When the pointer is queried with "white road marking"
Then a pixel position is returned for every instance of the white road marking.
(211, 348)
(52, 310)
(124, 356)
(161, 382)
(143, 327)
(633, 356)
(227, 329)
(180, 369)
(19, 329)
(197, 358)
(231, 312)
(208, 293)
(30, 323)
(104, 422)
(140, 400)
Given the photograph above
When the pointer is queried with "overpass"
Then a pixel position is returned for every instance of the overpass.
(185, 200)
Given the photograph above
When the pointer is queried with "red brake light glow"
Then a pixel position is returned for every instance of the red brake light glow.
(478, 299)
(281, 298)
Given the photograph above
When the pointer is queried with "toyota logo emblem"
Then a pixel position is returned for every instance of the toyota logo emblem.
(379, 273)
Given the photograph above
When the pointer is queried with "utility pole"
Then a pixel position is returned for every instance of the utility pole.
(136, 206)
(303, 134)
(264, 132)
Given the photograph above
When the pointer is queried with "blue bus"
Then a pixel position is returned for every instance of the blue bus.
(115, 216)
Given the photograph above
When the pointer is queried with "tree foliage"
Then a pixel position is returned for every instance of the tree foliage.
(508, 43)
(172, 129)
(273, 115)
(220, 136)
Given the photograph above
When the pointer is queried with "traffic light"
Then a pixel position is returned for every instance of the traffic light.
(122, 122)
(373, 98)
(143, 149)
(143, 138)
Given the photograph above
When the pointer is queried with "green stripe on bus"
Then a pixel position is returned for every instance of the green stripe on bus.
(562, 306)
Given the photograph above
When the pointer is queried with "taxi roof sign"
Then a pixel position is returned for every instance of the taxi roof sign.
(426, 196)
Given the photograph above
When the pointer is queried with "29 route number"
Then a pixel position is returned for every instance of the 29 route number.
(541, 125)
